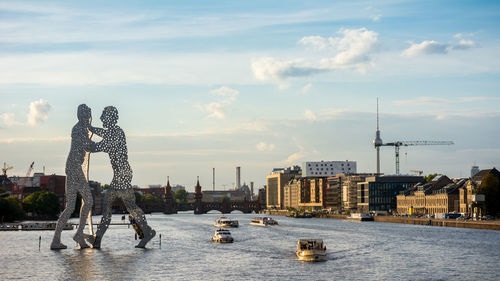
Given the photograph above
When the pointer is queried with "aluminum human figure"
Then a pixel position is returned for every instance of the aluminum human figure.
(114, 143)
(76, 179)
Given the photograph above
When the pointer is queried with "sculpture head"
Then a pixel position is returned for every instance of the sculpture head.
(109, 116)
(84, 113)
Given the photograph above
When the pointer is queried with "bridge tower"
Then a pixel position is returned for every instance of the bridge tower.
(169, 200)
(198, 205)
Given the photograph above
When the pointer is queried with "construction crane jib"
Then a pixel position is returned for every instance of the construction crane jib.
(377, 143)
(398, 144)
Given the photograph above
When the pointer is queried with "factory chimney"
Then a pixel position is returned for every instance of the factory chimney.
(238, 184)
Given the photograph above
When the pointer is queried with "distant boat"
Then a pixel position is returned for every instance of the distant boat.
(225, 222)
(263, 221)
(360, 217)
(44, 226)
(311, 250)
(222, 236)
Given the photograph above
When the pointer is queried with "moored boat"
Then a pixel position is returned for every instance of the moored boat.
(311, 250)
(263, 221)
(360, 217)
(222, 236)
(225, 222)
(44, 226)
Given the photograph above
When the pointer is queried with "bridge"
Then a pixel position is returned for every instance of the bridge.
(201, 207)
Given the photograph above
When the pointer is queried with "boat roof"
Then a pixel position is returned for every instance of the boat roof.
(304, 240)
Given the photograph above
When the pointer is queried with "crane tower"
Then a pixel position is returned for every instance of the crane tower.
(377, 143)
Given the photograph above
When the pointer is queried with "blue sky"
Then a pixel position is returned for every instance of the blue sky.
(252, 84)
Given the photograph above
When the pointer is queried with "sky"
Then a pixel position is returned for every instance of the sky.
(256, 84)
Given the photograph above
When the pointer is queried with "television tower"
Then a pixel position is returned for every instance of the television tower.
(377, 142)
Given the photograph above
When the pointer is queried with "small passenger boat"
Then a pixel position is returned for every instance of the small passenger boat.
(360, 217)
(263, 221)
(222, 236)
(44, 226)
(311, 250)
(225, 222)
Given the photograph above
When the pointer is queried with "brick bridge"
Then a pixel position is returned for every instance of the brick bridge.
(201, 207)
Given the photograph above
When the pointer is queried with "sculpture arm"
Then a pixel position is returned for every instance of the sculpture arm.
(97, 131)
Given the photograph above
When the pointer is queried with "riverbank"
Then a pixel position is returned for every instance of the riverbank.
(490, 225)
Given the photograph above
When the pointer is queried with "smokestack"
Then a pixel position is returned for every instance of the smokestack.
(238, 185)
(213, 179)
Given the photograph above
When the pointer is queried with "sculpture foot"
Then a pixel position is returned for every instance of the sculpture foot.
(147, 237)
(80, 240)
(57, 246)
(93, 240)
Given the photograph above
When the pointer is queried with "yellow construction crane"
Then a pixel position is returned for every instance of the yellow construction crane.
(5, 169)
(20, 188)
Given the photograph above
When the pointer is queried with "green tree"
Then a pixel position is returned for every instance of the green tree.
(152, 198)
(105, 186)
(11, 209)
(181, 196)
(490, 187)
(225, 199)
(138, 197)
(429, 177)
(43, 203)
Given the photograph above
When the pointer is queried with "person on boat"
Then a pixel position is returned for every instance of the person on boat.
(76, 179)
(114, 143)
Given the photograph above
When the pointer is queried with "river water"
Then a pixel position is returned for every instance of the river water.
(355, 251)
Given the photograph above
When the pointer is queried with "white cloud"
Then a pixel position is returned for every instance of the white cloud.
(217, 109)
(8, 119)
(376, 17)
(229, 94)
(465, 44)
(306, 88)
(462, 35)
(309, 115)
(351, 50)
(39, 112)
(315, 41)
(294, 157)
(263, 146)
(426, 47)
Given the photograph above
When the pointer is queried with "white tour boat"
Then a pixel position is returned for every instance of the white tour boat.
(311, 250)
(222, 236)
(360, 217)
(263, 221)
(225, 222)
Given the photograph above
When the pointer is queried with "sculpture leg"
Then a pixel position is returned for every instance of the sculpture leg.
(106, 218)
(84, 213)
(137, 213)
(63, 218)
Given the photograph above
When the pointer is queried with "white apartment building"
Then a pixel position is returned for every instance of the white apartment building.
(328, 168)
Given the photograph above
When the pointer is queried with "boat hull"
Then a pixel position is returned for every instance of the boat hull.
(222, 240)
(311, 255)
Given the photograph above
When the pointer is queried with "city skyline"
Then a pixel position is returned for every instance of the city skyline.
(258, 85)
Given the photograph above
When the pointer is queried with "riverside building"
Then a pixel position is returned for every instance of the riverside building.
(378, 193)
(276, 182)
(328, 168)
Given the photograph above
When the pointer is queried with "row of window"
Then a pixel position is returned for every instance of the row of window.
(326, 165)
(321, 169)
